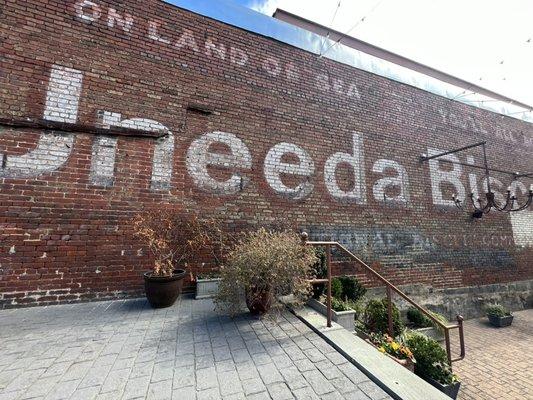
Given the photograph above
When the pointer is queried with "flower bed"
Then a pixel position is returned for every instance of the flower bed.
(396, 350)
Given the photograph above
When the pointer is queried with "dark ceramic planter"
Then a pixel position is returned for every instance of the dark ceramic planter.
(162, 291)
(259, 302)
(449, 390)
(500, 322)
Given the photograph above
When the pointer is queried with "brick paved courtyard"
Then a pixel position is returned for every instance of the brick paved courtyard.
(126, 350)
(498, 362)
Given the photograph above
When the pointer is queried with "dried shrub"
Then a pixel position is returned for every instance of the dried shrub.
(266, 261)
(173, 237)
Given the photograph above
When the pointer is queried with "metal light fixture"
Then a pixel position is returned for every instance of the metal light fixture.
(490, 203)
(485, 206)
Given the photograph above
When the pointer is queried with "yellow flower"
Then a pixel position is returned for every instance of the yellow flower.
(395, 346)
(382, 349)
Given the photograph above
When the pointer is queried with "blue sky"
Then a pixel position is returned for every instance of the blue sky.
(246, 3)
(487, 42)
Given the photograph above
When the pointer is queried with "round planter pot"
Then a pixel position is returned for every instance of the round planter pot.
(259, 302)
(162, 291)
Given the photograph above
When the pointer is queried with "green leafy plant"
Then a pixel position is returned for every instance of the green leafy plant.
(497, 310)
(375, 317)
(347, 288)
(351, 288)
(419, 320)
(339, 305)
(358, 306)
(444, 374)
(431, 359)
(266, 263)
(336, 288)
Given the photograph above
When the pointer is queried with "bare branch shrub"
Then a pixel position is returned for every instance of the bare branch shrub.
(174, 238)
(262, 262)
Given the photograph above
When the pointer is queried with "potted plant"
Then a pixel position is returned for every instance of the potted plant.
(445, 380)
(346, 292)
(432, 364)
(394, 349)
(207, 285)
(375, 317)
(166, 233)
(341, 312)
(263, 266)
(426, 326)
(213, 242)
(498, 315)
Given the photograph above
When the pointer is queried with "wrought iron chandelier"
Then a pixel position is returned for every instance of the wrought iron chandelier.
(478, 206)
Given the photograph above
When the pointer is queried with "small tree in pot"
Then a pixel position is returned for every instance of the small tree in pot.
(264, 265)
(168, 234)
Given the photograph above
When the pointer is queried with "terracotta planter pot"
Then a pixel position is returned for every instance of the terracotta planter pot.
(259, 301)
(162, 291)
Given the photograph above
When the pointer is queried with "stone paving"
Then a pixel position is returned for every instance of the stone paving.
(126, 350)
(498, 363)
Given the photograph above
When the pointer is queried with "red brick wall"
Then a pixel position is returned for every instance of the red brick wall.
(66, 198)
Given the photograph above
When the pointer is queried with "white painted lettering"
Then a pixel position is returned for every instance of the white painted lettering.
(356, 162)
(271, 66)
(199, 158)
(125, 22)
(219, 50)
(400, 180)
(238, 56)
(95, 12)
(187, 40)
(153, 33)
(439, 176)
(275, 167)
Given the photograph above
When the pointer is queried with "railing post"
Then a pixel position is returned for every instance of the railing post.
(389, 311)
(448, 350)
(461, 336)
(328, 263)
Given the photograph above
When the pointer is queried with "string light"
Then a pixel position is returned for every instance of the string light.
(351, 29)
(330, 25)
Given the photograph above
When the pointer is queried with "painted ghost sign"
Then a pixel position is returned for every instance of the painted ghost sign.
(53, 150)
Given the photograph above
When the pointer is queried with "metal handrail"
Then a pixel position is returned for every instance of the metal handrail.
(390, 287)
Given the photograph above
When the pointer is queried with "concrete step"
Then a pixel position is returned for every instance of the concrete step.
(396, 380)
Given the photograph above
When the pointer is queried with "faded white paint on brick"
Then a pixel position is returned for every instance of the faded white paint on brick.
(199, 158)
(275, 167)
(53, 149)
(163, 158)
(356, 162)
(522, 223)
(401, 180)
(63, 95)
(450, 177)
(103, 161)
(104, 151)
